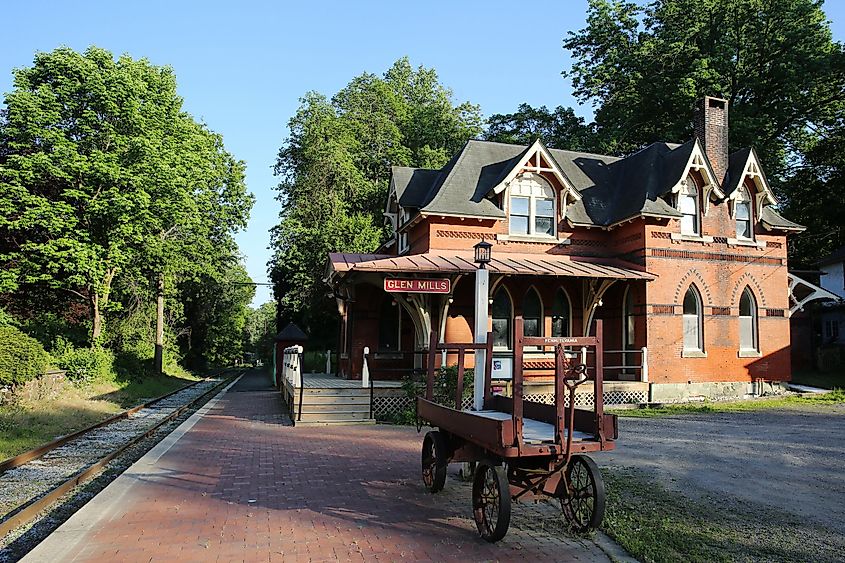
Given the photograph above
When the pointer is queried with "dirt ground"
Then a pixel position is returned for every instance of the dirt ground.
(789, 459)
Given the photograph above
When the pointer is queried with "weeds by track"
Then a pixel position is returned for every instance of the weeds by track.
(32, 481)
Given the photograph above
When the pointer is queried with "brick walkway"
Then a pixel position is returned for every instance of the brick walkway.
(241, 485)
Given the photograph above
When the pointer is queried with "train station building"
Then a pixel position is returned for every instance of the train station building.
(678, 248)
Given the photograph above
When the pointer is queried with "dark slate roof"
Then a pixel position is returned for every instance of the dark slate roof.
(412, 184)
(736, 165)
(613, 189)
(837, 255)
(775, 220)
(292, 333)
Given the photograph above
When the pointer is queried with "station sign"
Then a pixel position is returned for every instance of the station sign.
(423, 285)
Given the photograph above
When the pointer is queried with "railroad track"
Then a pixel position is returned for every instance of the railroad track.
(32, 481)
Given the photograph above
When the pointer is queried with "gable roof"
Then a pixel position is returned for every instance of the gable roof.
(611, 189)
(291, 333)
(771, 219)
(737, 164)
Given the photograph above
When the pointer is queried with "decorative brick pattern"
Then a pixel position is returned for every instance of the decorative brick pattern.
(661, 234)
(443, 233)
(772, 244)
(775, 312)
(690, 277)
(715, 256)
(721, 311)
(663, 309)
(747, 279)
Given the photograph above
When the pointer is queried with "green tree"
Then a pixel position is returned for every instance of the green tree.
(644, 65)
(335, 169)
(104, 178)
(216, 308)
(560, 129)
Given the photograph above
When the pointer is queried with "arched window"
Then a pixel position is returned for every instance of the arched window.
(742, 214)
(628, 319)
(532, 314)
(532, 206)
(748, 340)
(693, 321)
(561, 313)
(689, 208)
(389, 326)
(502, 316)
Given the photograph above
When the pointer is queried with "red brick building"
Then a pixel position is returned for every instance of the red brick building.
(678, 248)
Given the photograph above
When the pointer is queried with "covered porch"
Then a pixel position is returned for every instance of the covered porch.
(388, 329)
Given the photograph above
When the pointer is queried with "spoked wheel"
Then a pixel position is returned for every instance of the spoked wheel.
(435, 453)
(581, 494)
(491, 501)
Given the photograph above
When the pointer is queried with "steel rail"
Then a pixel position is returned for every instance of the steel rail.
(29, 510)
(39, 451)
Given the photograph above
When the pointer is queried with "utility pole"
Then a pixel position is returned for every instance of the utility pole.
(158, 360)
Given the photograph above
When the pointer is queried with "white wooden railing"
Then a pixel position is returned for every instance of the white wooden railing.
(292, 366)
(625, 365)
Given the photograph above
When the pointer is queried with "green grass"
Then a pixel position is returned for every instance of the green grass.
(25, 425)
(656, 524)
(833, 397)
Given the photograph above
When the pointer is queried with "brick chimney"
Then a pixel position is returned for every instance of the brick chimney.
(711, 127)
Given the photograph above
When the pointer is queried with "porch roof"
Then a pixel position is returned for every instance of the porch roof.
(507, 263)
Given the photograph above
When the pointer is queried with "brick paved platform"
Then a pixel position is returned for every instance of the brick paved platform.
(241, 485)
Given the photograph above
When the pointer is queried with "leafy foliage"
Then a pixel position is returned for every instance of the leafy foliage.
(83, 365)
(260, 331)
(560, 129)
(335, 169)
(21, 357)
(106, 180)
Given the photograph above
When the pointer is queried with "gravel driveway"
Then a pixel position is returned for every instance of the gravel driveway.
(791, 459)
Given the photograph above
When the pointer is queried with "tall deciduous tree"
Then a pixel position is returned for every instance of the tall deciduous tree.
(335, 169)
(105, 177)
(643, 65)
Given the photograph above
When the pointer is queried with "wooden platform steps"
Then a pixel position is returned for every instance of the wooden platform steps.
(325, 406)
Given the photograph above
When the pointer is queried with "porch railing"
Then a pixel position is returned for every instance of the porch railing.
(629, 362)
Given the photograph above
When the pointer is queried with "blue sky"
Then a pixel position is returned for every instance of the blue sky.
(242, 67)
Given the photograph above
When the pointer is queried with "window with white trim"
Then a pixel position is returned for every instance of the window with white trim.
(403, 242)
(742, 214)
(748, 341)
(689, 208)
(532, 206)
(693, 321)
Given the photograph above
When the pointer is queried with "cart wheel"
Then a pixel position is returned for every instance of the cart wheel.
(583, 500)
(435, 453)
(491, 501)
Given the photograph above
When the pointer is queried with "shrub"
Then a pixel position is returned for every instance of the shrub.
(83, 365)
(21, 358)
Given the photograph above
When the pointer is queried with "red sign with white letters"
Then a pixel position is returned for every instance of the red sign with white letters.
(427, 285)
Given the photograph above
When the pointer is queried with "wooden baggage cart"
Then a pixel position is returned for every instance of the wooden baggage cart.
(523, 449)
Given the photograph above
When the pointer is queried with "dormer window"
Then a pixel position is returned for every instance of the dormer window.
(742, 214)
(688, 206)
(532, 206)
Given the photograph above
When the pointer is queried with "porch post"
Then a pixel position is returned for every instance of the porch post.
(482, 279)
